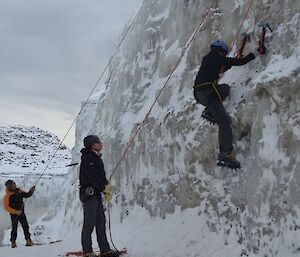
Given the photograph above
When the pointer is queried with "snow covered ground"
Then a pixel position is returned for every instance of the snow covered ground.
(25, 151)
(183, 233)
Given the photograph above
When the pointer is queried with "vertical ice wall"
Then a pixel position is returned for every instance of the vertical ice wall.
(172, 161)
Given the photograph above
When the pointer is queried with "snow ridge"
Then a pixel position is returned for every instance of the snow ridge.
(28, 149)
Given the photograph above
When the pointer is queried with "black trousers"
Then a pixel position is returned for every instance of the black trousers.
(214, 105)
(15, 219)
(94, 217)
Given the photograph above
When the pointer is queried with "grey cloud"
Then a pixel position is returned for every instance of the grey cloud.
(52, 51)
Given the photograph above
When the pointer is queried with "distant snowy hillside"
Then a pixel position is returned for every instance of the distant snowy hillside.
(24, 153)
(170, 198)
(29, 149)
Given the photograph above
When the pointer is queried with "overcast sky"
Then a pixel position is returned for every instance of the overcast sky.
(51, 54)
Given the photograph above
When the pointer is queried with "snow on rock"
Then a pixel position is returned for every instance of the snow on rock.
(27, 150)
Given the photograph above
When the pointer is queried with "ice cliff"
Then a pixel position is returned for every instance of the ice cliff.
(170, 170)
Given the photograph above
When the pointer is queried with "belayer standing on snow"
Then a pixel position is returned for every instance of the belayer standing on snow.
(93, 183)
(14, 204)
(209, 93)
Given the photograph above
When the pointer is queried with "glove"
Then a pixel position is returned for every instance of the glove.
(108, 193)
(251, 56)
(18, 212)
(32, 189)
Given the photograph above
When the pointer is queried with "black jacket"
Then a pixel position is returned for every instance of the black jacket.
(92, 171)
(13, 200)
(213, 64)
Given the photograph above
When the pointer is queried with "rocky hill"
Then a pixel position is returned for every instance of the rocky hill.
(29, 149)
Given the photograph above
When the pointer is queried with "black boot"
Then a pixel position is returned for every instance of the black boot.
(13, 244)
(228, 160)
(208, 116)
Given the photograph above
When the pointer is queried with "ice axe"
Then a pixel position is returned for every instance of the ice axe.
(245, 39)
(262, 35)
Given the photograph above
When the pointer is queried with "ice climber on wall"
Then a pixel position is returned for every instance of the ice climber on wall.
(209, 93)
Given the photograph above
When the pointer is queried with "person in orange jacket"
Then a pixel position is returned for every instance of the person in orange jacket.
(14, 204)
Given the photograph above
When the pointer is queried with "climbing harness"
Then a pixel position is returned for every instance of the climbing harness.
(214, 84)
(205, 85)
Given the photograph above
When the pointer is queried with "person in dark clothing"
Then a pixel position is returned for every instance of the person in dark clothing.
(14, 204)
(93, 183)
(209, 93)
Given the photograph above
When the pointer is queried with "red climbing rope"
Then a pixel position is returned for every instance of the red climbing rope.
(109, 227)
